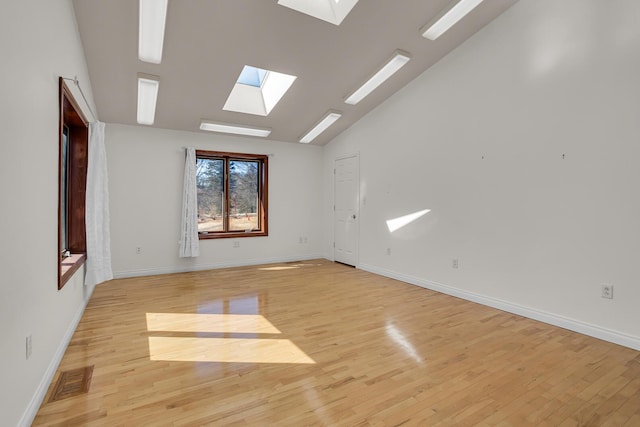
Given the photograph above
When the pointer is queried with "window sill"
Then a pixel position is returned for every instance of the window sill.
(68, 266)
(231, 235)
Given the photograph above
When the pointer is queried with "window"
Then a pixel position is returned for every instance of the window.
(257, 91)
(73, 141)
(232, 194)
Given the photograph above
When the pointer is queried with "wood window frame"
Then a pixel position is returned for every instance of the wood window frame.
(73, 119)
(263, 194)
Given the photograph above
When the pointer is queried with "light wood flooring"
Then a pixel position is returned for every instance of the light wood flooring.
(321, 344)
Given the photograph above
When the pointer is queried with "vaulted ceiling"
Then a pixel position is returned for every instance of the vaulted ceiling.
(207, 43)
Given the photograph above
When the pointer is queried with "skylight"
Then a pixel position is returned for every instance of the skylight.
(257, 91)
(333, 11)
(252, 76)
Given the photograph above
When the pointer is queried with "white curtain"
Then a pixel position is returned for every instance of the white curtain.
(97, 210)
(189, 245)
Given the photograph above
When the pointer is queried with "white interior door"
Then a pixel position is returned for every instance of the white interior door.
(345, 217)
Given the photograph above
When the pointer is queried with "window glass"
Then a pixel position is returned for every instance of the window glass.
(210, 184)
(243, 195)
(64, 188)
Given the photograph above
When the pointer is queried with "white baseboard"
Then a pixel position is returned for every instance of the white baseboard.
(531, 313)
(211, 266)
(40, 393)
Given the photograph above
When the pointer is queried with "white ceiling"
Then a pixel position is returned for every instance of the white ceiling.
(207, 42)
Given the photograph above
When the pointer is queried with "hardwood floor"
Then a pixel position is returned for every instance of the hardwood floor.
(318, 343)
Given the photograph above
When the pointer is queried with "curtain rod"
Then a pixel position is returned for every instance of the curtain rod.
(77, 82)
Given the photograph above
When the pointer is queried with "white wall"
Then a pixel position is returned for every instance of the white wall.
(146, 167)
(479, 139)
(533, 232)
(38, 42)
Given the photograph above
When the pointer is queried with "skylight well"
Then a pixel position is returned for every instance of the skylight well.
(332, 11)
(252, 76)
(258, 91)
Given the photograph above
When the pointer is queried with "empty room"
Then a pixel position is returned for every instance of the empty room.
(320, 213)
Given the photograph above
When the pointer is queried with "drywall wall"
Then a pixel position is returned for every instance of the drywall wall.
(523, 143)
(146, 168)
(39, 41)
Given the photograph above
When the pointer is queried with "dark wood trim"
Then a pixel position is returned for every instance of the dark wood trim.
(264, 196)
(79, 151)
(72, 113)
(263, 208)
(230, 234)
(226, 191)
(233, 156)
(61, 90)
(72, 117)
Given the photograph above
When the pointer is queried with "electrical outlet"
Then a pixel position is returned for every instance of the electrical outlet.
(29, 348)
(236, 244)
(388, 251)
(607, 291)
(138, 250)
(455, 263)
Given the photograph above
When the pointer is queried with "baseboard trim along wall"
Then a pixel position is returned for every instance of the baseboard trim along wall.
(212, 266)
(40, 393)
(531, 313)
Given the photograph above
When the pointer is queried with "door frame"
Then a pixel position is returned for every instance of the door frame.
(356, 246)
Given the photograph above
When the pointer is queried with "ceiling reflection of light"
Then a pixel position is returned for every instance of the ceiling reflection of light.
(223, 323)
(398, 337)
(278, 268)
(397, 223)
(226, 350)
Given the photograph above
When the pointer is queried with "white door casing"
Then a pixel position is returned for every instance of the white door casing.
(345, 215)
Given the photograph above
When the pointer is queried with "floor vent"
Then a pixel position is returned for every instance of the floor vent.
(72, 383)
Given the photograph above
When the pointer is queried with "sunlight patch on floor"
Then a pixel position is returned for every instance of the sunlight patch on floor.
(209, 349)
(229, 350)
(222, 323)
